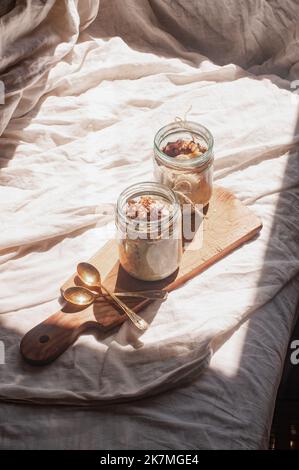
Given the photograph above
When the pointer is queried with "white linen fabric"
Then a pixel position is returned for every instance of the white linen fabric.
(77, 126)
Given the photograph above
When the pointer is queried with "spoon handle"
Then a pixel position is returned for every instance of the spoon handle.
(146, 294)
(139, 322)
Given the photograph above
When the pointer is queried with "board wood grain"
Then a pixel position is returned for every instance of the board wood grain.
(227, 224)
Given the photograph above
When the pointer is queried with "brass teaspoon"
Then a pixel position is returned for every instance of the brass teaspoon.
(91, 277)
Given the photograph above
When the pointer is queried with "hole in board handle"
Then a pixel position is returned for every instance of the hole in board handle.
(44, 339)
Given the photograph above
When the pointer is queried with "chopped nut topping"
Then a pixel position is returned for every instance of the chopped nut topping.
(181, 147)
(146, 208)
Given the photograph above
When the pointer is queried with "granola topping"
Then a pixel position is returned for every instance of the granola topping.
(184, 149)
(147, 208)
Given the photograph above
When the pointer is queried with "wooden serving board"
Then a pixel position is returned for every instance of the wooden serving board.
(227, 224)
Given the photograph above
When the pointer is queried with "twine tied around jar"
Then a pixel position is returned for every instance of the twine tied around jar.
(184, 123)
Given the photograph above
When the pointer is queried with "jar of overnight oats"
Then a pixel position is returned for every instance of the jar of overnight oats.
(149, 231)
(183, 161)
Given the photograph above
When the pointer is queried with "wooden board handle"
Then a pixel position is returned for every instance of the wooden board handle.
(46, 341)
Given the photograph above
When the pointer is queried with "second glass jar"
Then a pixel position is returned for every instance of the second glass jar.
(190, 176)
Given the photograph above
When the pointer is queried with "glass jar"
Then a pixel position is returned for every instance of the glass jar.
(150, 249)
(190, 177)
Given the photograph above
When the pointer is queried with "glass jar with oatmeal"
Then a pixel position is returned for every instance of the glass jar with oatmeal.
(149, 231)
(183, 161)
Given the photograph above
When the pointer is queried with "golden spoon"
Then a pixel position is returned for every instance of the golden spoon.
(91, 277)
(81, 296)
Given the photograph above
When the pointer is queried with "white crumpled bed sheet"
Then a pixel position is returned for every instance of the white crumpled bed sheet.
(75, 131)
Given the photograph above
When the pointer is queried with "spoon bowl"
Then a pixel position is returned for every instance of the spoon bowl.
(79, 296)
(89, 275)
